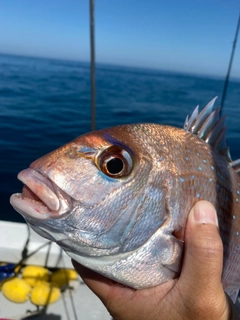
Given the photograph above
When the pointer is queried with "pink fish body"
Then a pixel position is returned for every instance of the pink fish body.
(116, 200)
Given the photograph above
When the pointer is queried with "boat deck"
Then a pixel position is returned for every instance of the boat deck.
(79, 303)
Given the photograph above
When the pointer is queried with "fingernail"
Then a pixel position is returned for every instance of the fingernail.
(204, 212)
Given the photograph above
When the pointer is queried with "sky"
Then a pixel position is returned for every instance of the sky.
(192, 36)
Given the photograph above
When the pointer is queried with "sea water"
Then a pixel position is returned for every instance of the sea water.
(45, 103)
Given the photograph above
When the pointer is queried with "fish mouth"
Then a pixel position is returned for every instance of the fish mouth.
(41, 198)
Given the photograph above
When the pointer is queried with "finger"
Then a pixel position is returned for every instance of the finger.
(203, 246)
(203, 259)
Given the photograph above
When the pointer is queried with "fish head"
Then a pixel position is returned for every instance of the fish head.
(102, 198)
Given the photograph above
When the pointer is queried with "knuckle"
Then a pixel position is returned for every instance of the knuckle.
(207, 244)
(211, 247)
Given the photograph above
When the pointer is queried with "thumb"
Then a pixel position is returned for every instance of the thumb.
(203, 259)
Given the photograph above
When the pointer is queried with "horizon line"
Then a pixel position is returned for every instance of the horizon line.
(98, 63)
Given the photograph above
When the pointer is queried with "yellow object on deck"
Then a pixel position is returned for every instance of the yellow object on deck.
(35, 274)
(16, 290)
(44, 293)
(62, 277)
(36, 286)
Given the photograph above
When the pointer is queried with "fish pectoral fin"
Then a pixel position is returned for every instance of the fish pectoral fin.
(174, 262)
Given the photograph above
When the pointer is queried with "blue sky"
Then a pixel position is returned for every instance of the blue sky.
(194, 36)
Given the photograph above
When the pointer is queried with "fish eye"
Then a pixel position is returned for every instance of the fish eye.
(115, 162)
(115, 165)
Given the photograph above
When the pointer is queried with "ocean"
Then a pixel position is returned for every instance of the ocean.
(45, 103)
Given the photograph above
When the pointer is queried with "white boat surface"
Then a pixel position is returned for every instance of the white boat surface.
(76, 304)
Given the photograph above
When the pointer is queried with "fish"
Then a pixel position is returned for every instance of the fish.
(116, 200)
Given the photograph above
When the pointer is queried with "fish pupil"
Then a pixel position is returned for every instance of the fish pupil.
(115, 166)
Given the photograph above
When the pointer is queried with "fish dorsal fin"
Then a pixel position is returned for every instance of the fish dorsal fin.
(208, 126)
(236, 166)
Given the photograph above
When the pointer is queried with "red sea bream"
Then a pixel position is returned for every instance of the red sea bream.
(116, 200)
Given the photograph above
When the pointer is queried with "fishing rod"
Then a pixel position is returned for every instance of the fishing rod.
(230, 65)
(93, 82)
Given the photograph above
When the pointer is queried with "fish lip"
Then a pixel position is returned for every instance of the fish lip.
(41, 198)
(30, 208)
(41, 186)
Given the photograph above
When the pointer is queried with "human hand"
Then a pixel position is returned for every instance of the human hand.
(196, 294)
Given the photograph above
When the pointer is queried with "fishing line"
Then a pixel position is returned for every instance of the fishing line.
(69, 289)
(60, 257)
(230, 66)
(44, 308)
(73, 305)
(20, 263)
(65, 306)
(25, 248)
(47, 255)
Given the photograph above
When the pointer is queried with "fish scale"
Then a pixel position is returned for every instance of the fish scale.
(120, 197)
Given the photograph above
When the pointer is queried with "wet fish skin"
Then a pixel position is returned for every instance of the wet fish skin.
(131, 228)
